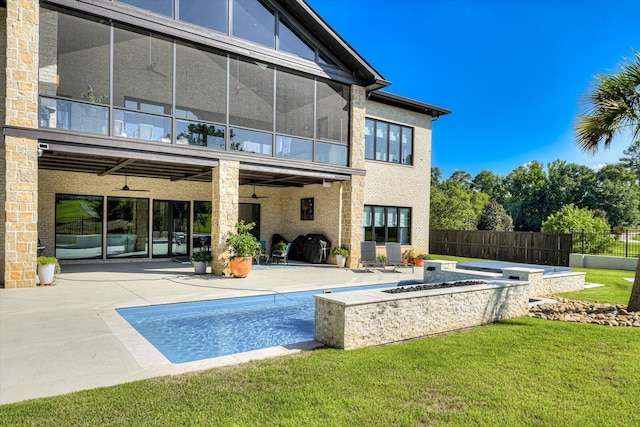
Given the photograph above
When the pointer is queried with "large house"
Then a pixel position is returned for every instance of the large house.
(145, 129)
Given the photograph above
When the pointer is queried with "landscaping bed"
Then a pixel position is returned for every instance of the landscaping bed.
(567, 310)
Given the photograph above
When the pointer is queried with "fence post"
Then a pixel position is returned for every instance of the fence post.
(582, 240)
(626, 243)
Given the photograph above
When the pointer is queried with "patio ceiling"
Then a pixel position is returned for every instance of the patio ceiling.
(175, 168)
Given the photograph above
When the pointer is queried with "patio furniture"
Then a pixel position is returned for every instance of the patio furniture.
(263, 255)
(281, 255)
(394, 257)
(368, 256)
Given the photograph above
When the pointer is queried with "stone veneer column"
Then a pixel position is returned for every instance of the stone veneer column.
(224, 210)
(19, 192)
(353, 191)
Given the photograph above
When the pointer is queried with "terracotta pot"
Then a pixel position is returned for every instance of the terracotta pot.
(240, 267)
(418, 262)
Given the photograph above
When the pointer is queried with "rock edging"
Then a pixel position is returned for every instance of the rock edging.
(567, 310)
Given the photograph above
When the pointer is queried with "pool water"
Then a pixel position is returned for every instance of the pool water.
(192, 331)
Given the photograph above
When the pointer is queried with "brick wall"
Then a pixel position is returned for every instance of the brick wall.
(390, 184)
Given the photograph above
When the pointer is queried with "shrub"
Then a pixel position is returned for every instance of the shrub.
(591, 232)
(339, 250)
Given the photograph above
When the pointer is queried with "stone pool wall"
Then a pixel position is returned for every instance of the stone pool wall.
(359, 319)
(543, 284)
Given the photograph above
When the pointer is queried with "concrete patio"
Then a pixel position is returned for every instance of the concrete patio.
(59, 339)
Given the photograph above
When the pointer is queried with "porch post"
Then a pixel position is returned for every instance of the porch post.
(353, 191)
(224, 210)
(19, 156)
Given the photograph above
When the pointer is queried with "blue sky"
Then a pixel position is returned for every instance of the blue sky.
(512, 71)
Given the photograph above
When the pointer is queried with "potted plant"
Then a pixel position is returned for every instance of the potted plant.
(408, 255)
(243, 246)
(341, 255)
(48, 268)
(200, 261)
(279, 247)
(418, 261)
(381, 258)
(90, 96)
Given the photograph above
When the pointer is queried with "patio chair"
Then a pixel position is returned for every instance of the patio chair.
(368, 256)
(394, 256)
(281, 255)
(263, 255)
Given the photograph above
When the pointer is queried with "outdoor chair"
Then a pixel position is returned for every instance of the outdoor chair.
(368, 256)
(281, 255)
(394, 257)
(263, 255)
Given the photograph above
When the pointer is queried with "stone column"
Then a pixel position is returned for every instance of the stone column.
(19, 185)
(224, 210)
(353, 191)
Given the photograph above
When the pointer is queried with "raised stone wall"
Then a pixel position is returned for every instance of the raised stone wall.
(360, 319)
(447, 271)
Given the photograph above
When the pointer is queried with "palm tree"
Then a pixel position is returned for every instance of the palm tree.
(612, 107)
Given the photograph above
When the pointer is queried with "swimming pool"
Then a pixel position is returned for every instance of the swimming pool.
(187, 332)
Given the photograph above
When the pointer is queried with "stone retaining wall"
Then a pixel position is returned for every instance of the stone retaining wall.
(543, 284)
(359, 319)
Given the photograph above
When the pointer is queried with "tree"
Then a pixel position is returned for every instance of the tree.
(570, 183)
(436, 176)
(495, 217)
(611, 107)
(632, 159)
(592, 230)
(461, 177)
(490, 184)
(454, 207)
(617, 194)
(526, 203)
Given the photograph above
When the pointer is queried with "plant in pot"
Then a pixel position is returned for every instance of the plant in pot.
(409, 256)
(243, 246)
(341, 255)
(200, 261)
(48, 268)
(418, 261)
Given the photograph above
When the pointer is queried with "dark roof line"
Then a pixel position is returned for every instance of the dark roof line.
(372, 79)
(408, 104)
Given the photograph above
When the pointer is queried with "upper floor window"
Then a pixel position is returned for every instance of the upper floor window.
(388, 142)
(112, 79)
(205, 13)
(163, 7)
(257, 21)
(253, 21)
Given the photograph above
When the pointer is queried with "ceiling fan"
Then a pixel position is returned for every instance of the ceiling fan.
(125, 187)
(152, 65)
(254, 195)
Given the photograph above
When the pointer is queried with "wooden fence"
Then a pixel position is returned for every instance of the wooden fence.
(515, 246)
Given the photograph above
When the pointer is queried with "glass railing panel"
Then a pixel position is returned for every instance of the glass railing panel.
(149, 127)
(200, 134)
(73, 116)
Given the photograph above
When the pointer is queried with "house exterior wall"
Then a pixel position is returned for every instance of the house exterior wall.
(28, 194)
(390, 184)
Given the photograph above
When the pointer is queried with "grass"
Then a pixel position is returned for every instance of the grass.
(522, 372)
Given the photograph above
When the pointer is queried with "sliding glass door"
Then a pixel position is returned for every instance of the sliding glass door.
(170, 228)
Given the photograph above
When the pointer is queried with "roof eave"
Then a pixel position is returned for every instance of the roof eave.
(361, 69)
(408, 104)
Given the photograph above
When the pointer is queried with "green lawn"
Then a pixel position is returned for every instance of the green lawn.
(523, 372)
